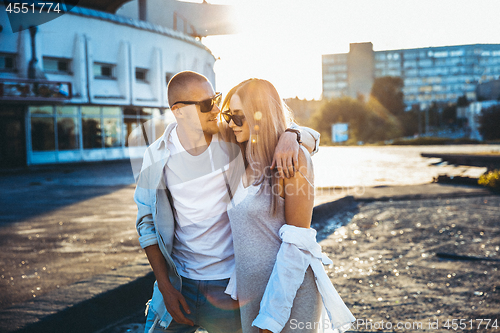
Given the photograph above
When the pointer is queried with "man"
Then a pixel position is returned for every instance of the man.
(182, 195)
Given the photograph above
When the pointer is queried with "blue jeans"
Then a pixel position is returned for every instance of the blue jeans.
(210, 307)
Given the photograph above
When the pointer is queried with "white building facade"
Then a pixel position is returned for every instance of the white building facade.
(96, 78)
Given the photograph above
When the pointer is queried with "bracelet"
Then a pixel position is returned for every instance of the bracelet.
(299, 137)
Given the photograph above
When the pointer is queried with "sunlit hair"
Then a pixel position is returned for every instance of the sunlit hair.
(268, 117)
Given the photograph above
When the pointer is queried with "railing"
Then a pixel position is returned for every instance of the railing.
(34, 90)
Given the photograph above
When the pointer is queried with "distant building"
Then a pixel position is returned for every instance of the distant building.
(432, 74)
(76, 87)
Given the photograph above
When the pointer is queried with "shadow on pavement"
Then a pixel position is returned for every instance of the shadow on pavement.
(31, 192)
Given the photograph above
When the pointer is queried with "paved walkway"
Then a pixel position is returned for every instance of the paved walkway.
(69, 253)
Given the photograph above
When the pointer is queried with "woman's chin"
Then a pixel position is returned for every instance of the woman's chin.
(239, 139)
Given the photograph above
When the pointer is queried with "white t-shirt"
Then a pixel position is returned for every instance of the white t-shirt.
(203, 244)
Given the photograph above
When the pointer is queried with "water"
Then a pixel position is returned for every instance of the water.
(388, 165)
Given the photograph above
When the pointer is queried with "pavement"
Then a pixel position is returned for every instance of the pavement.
(69, 255)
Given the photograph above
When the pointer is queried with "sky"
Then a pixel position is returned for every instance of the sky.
(283, 40)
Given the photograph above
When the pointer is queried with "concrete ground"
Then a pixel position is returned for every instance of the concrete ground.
(70, 259)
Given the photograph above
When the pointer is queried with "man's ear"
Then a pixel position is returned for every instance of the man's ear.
(177, 111)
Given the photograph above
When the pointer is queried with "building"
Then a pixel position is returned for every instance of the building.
(431, 74)
(74, 88)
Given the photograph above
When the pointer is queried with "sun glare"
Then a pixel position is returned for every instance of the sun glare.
(283, 40)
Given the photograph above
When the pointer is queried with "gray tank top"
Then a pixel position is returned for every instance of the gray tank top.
(256, 244)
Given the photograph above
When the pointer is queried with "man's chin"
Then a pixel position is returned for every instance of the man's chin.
(212, 129)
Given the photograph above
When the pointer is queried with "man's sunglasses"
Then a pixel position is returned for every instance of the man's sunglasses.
(206, 105)
(238, 120)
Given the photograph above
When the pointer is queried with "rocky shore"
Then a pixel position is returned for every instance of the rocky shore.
(387, 266)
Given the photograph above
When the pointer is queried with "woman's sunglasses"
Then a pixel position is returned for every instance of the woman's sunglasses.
(238, 120)
(206, 105)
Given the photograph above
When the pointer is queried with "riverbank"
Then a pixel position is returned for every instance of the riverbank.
(387, 263)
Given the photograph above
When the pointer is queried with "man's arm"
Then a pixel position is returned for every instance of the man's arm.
(286, 154)
(171, 296)
(143, 196)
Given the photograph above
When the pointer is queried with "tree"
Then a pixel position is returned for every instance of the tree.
(368, 122)
(489, 123)
(338, 110)
(450, 114)
(388, 90)
(463, 101)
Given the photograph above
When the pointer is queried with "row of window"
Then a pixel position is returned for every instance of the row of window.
(430, 88)
(103, 71)
(86, 127)
(437, 79)
(334, 85)
(334, 68)
(436, 54)
(439, 62)
(335, 77)
(432, 97)
(335, 59)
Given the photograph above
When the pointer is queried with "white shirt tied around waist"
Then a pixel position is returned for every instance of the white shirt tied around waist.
(298, 251)
(203, 244)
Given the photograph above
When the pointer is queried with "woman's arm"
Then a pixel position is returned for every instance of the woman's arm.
(299, 193)
(291, 263)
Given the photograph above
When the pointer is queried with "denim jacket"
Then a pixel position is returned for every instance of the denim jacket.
(153, 205)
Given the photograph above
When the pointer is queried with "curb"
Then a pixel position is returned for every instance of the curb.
(425, 196)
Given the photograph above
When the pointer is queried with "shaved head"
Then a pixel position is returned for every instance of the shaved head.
(179, 87)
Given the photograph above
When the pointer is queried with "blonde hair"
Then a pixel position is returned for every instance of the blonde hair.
(267, 117)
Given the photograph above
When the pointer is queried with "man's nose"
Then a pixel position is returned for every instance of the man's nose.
(215, 109)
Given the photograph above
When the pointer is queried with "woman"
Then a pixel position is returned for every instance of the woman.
(277, 257)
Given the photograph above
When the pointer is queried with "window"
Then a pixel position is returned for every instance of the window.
(67, 133)
(91, 127)
(7, 62)
(425, 63)
(104, 71)
(56, 65)
(141, 74)
(42, 128)
(133, 118)
(328, 59)
(410, 64)
(458, 53)
(67, 127)
(112, 132)
(441, 54)
(410, 55)
(112, 128)
(42, 134)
